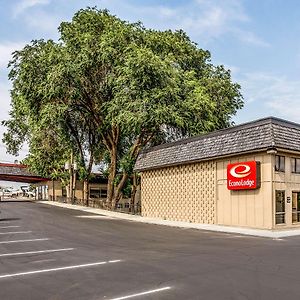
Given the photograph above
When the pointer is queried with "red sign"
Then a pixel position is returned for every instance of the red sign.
(243, 175)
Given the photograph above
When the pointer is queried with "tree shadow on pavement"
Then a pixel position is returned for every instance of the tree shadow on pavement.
(9, 219)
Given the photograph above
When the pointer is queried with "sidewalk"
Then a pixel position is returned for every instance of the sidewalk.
(217, 228)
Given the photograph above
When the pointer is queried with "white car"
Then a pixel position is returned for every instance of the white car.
(29, 194)
(6, 193)
(27, 191)
(16, 193)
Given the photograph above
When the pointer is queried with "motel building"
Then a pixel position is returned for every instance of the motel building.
(246, 176)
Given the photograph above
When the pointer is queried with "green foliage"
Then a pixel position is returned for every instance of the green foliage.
(109, 88)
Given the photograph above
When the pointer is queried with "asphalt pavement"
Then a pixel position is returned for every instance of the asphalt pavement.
(48, 252)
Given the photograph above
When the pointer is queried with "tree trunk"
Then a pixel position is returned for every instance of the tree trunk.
(116, 199)
(68, 189)
(86, 192)
(111, 142)
(53, 190)
(118, 191)
(111, 178)
(135, 183)
(86, 183)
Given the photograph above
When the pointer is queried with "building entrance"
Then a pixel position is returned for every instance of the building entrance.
(280, 207)
(296, 207)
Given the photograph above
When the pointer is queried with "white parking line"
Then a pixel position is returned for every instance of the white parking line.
(24, 241)
(143, 293)
(55, 269)
(14, 232)
(36, 252)
(12, 226)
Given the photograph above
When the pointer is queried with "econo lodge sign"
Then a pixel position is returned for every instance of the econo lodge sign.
(243, 175)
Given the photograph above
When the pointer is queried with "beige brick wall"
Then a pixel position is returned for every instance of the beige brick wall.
(181, 193)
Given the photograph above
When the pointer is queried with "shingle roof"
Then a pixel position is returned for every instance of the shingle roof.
(19, 173)
(14, 170)
(253, 136)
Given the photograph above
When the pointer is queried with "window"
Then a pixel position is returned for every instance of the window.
(295, 165)
(280, 207)
(279, 163)
(103, 193)
(64, 191)
(94, 193)
(98, 193)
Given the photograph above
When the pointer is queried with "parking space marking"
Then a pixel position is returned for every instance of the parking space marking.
(54, 269)
(24, 241)
(14, 232)
(11, 226)
(35, 252)
(142, 293)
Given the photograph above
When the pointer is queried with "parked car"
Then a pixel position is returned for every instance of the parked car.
(27, 192)
(16, 193)
(6, 193)
(30, 194)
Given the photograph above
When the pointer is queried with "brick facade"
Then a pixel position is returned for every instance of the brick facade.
(181, 193)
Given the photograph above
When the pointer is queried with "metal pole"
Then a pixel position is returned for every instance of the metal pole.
(71, 178)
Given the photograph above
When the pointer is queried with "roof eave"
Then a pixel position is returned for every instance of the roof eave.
(264, 149)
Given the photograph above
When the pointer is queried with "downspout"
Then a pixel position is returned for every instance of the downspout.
(272, 151)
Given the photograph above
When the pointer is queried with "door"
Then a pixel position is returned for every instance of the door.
(295, 207)
(280, 207)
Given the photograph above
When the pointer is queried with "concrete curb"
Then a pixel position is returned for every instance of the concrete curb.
(217, 228)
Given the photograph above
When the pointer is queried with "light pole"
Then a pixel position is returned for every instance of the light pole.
(72, 167)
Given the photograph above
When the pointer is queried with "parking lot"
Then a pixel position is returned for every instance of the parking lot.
(53, 253)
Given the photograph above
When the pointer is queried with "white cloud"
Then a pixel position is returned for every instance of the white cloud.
(26, 4)
(273, 93)
(43, 21)
(5, 107)
(38, 17)
(167, 12)
(250, 38)
(203, 20)
(213, 18)
(6, 50)
(4, 100)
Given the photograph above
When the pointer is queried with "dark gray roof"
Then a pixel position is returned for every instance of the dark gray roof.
(14, 171)
(253, 136)
(18, 173)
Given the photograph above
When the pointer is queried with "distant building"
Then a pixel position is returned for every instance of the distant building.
(55, 190)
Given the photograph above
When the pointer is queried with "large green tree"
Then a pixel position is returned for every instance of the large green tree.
(122, 85)
(52, 128)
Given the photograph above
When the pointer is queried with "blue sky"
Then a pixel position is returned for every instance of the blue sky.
(257, 39)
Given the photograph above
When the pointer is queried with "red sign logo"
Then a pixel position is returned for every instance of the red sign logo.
(243, 175)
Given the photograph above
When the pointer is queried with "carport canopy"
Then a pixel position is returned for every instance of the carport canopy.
(18, 173)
